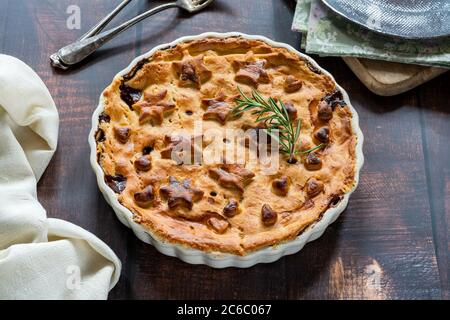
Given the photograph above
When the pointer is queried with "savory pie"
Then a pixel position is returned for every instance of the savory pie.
(223, 207)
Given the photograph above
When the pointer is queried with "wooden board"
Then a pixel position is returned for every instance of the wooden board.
(396, 225)
(390, 78)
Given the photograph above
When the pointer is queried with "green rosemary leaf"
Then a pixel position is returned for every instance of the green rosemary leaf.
(297, 131)
(275, 115)
(313, 149)
(265, 118)
(286, 114)
(242, 93)
(258, 97)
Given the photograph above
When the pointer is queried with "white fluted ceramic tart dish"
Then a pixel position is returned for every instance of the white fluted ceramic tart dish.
(158, 126)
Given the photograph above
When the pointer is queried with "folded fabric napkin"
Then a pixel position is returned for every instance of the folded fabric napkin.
(329, 34)
(40, 258)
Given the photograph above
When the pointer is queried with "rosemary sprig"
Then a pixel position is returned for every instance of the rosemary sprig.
(319, 146)
(276, 116)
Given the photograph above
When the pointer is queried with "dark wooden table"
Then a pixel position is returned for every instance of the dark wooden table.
(395, 229)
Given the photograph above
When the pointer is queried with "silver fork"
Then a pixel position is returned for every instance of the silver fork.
(91, 41)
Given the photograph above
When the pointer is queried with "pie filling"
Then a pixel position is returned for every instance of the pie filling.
(150, 123)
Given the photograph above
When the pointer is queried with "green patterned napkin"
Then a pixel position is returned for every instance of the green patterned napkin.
(301, 16)
(328, 34)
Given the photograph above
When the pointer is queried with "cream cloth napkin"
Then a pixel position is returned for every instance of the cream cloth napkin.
(40, 258)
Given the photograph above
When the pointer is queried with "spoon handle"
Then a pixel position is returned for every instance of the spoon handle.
(79, 50)
(102, 24)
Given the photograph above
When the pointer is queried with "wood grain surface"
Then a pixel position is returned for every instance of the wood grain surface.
(391, 242)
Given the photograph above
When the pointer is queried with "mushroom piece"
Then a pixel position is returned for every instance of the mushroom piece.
(280, 186)
(143, 163)
(291, 84)
(145, 197)
(268, 216)
(122, 134)
(325, 111)
(313, 161)
(313, 187)
(232, 208)
(188, 73)
(322, 134)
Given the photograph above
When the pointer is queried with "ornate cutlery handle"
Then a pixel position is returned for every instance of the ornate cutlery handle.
(79, 50)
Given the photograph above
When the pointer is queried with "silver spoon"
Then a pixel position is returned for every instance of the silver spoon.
(91, 41)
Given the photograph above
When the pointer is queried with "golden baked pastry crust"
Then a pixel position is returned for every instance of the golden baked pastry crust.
(227, 208)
